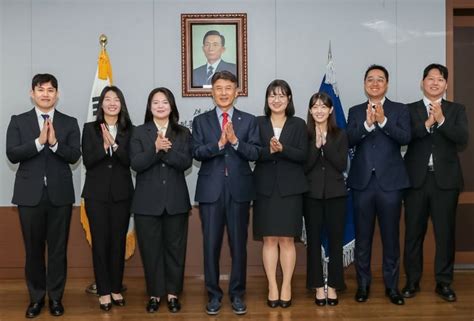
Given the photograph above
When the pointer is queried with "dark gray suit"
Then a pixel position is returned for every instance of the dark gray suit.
(200, 77)
(45, 210)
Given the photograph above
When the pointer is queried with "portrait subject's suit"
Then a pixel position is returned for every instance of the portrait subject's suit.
(200, 77)
(435, 187)
(224, 191)
(44, 194)
(377, 177)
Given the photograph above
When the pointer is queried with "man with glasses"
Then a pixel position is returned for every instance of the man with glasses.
(377, 129)
(213, 46)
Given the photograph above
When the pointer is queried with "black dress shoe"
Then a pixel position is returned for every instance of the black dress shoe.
(409, 291)
(153, 305)
(174, 305)
(273, 303)
(34, 309)
(119, 302)
(362, 294)
(333, 302)
(320, 302)
(105, 306)
(213, 306)
(56, 308)
(395, 296)
(285, 304)
(445, 292)
(238, 306)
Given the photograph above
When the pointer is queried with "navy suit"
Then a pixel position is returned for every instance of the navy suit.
(224, 191)
(377, 177)
(200, 77)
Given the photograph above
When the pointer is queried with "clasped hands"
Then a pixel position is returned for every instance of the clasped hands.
(227, 136)
(107, 137)
(48, 134)
(435, 115)
(375, 113)
(275, 145)
(162, 143)
(320, 136)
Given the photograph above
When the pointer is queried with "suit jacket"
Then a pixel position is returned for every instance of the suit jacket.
(214, 162)
(380, 148)
(34, 166)
(283, 170)
(325, 166)
(444, 143)
(200, 73)
(107, 176)
(161, 183)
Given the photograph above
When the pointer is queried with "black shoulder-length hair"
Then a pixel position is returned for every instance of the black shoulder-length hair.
(326, 100)
(286, 90)
(174, 114)
(123, 123)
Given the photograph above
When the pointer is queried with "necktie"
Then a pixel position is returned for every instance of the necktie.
(210, 71)
(45, 116)
(225, 119)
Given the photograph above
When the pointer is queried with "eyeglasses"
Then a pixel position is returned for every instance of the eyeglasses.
(275, 97)
(208, 45)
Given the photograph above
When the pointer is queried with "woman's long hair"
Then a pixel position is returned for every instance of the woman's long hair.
(123, 122)
(326, 100)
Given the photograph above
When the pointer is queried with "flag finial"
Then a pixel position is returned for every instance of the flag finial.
(103, 40)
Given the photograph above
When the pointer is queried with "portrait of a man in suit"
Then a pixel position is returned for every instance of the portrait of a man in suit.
(213, 47)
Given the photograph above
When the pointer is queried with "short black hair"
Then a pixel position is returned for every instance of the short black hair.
(40, 79)
(214, 33)
(376, 67)
(443, 70)
(225, 75)
(286, 90)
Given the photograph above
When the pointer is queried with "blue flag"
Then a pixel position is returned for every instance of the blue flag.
(329, 86)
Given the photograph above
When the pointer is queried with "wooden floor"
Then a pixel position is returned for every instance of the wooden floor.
(80, 306)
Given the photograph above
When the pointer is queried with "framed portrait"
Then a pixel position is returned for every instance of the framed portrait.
(212, 43)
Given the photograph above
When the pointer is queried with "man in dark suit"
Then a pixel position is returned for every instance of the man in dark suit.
(44, 142)
(377, 129)
(225, 139)
(213, 46)
(440, 131)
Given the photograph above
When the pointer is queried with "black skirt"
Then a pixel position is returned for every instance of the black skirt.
(277, 215)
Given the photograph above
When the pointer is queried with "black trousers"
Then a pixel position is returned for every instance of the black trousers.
(441, 204)
(330, 214)
(108, 221)
(45, 224)
(386, 206)
(214, 218)
(162, 240)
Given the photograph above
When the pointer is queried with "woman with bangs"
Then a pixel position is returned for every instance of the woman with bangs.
(160, 153)
(325, 202)
(280, 182)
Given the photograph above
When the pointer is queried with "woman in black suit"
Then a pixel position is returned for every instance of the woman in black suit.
(108, 191)
(325, 202)
(280, 182)
(160, 152)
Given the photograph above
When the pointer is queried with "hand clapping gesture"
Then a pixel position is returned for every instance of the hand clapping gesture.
(275, 145)
(107, 137)
(48, 134)
(162, 143)
(320, 137)
(227, 135)
(436, 112)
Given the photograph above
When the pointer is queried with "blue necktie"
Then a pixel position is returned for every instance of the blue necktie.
(45, 116)
(210, 71)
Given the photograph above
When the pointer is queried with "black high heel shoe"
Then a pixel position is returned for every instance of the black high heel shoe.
(332, 302)
(320, 302)
(119, 302)
(273, 303)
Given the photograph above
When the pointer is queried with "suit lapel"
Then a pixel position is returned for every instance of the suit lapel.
(213, 123)
(237, 120)
(151, 130)
(33, 123)
(285, 131)
(421, 110)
